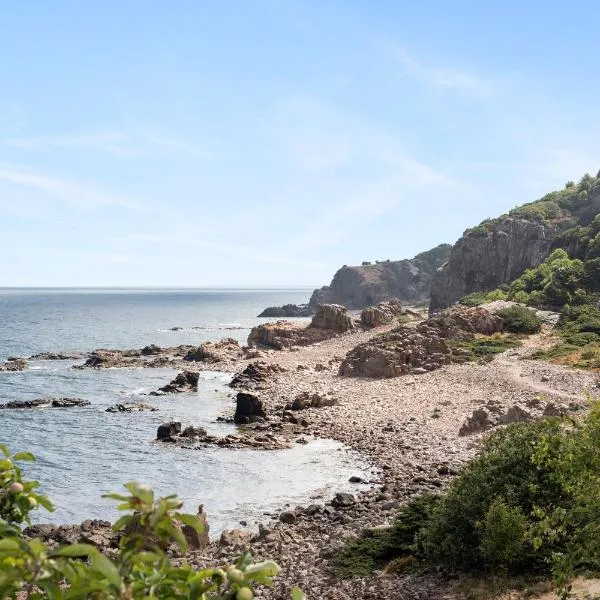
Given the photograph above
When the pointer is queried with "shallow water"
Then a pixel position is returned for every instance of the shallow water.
(84, 452)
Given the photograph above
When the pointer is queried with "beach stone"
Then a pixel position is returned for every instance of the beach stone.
(186, 381)
(151, 350)
(343, 499)
(168, 430)
(555, 410)
(479, 421)
(235, 538)
(515, 414)
(288, 517)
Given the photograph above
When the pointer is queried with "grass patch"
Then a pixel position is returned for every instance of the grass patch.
(482, 346)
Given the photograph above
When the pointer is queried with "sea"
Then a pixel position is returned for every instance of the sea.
(85, 452)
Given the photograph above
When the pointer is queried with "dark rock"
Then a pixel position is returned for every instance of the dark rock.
(255, 374)
(131, 407)
(168, 430)
(214, 352)
(286, 311)
(46, 403)
(479, 421)
(288, 517)
(355, 479)
(186, 381)
(197, 540)
(249, 408)
(57, 356)
(13, 364)
(151, 350)
(308, 400)
(343, 499)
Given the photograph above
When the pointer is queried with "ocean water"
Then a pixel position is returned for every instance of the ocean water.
(84, 452)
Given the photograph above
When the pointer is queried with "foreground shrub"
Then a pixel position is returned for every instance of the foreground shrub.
(518, 319)
(141, 569)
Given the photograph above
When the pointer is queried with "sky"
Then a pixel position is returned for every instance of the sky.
(209, 143)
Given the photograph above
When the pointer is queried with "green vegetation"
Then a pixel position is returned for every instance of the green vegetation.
(529, 503)
(478, 298)
(481, 346)
(518, 319)
(141, 568)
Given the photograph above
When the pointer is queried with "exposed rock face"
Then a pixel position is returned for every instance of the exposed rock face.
(131, 407)
(249, 408)
(186, 381)
(483, 419)
(57, 356)
(279, 335)
(332, 316)
(213, 352)
(151, 350)
(286, 311)
(482, 261)
(366, 285)
(168, 430)
(381, 314)
(308, 400)
(417, 349)
(46, 403)
(96, 532)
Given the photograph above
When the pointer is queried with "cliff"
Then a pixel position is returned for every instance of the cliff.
(498, 251)
(369, 284)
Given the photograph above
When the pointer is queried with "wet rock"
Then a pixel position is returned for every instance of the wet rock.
(194, 432)
(186, 381)
(131, 407)
(249, 408)
(355, 479)
(151, 350)
(57, 356)
(46, 403)
(97, 532)
(168, 430)
(13, 364)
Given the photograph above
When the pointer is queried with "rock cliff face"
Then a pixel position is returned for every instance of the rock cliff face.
(483, 260)
(407, 280)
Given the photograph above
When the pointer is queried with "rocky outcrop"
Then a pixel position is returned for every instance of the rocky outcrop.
(482, 260)
(57, 356)
(46, 403)
(483, 419)
(308, 400)
(330, 320)
(248, 409)
(418, 349)
(168, 430)
(368, 284)
(187, 381)
(287, 311)
(131, 407)
(13, 364)
(333, 317)
(381, 314)
(214, 352)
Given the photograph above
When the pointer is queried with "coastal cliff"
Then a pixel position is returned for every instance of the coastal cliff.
(361, 286)
(498, 251)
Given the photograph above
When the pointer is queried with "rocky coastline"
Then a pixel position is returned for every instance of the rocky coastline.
(417, 426)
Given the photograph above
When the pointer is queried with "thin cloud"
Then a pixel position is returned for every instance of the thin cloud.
(76, 194)
(445, 78)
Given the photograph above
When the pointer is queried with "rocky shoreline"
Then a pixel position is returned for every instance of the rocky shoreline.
(417, 429)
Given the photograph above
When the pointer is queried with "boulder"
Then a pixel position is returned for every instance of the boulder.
(254, 374)
(235, 538)
(333, 317)
(151, 350)
(13, 364)
(479, 421)
(168, 430)
(186, 381)
(343, 499)
(515, 414)
(57, 356)
(249, 408)
(308, 400)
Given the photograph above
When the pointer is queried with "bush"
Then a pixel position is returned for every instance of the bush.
(474, 299)
(518, 319)
(141, 568)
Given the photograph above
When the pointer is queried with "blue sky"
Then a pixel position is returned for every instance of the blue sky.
(194, 143)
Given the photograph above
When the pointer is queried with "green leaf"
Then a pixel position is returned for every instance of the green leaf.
(298, 594)
(27, 456)
(51, 589)
(8, 544)
(119, 497)
(4, 450)
(141, 491)
(45, 502)
(177, 535)
(106, 567)
(191, 521)
(147, 557)
(121, 522)
(267, 568)
(76, 550)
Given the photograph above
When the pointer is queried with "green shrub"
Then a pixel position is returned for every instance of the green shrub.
(141, 568)
(377, 547)
(503, 534)
(481, 347)
(474, 299)
(518, 319)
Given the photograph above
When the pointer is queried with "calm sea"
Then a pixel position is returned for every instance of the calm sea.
(84, 452)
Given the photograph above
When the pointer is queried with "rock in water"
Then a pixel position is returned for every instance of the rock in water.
(213, 352)
(46, 403)
(13, 364)
(286, 311)
(168, 430)
(131, 407)
(186, 381)
(249, 408)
